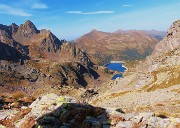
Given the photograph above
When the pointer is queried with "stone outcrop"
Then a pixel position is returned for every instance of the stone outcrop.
(52, 110)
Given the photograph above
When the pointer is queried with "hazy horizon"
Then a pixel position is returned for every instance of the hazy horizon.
(69, 19)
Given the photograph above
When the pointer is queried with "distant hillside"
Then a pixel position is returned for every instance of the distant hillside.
(151, 33)
(121, 45)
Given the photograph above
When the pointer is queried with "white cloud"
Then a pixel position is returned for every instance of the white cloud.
(6, 9)
(39, 6)
(90, 13)
(127, 5)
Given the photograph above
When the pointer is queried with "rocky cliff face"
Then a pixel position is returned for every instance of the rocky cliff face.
(154, 84)
(42, 40)
(6, 38)
(25, 32)
(121, 45)
(10, 53)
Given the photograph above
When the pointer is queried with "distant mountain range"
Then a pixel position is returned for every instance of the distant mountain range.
(121, 45)
(151, 33)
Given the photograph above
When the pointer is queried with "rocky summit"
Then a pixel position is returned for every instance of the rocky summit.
(35, 61)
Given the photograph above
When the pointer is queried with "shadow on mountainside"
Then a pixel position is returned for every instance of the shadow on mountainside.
(10, 54)
(74, 115)
(1, 104)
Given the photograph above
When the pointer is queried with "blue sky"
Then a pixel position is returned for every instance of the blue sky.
(69, 19)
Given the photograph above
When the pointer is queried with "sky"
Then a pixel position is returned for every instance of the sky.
(70, 19)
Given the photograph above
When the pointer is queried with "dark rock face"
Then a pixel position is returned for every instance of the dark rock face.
(14, 27)
(9, 53)
(72, 52)
(6, 34)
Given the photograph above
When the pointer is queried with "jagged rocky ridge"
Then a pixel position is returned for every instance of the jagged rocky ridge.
(34, 59)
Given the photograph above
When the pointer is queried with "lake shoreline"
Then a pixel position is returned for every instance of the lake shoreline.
(118, 67)
(116, 62)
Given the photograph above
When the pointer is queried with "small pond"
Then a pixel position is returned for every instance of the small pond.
(116, 67)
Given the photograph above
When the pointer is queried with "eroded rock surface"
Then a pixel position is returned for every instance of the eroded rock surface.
(54, 111)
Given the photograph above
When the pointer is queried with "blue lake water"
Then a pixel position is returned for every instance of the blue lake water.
(116, 67)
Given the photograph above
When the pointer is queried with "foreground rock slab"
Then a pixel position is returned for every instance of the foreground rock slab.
(54, 111)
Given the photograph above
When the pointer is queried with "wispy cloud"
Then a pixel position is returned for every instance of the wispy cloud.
(90, 13)
(39, 6)
(6, 9)
(127, 5)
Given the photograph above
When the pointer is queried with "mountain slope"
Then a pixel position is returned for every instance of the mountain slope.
(122, 45)
(36, 61)
(155, 83)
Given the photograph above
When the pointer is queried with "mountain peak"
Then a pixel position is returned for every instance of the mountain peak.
(171, 42)
(28, 22)
(174, 29)
(94, 30)
(30, 26)
(13, 24)
(14, 27)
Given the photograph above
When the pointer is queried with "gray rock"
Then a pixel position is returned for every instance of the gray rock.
(125, 124)
(142, 117)
(106, 126)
